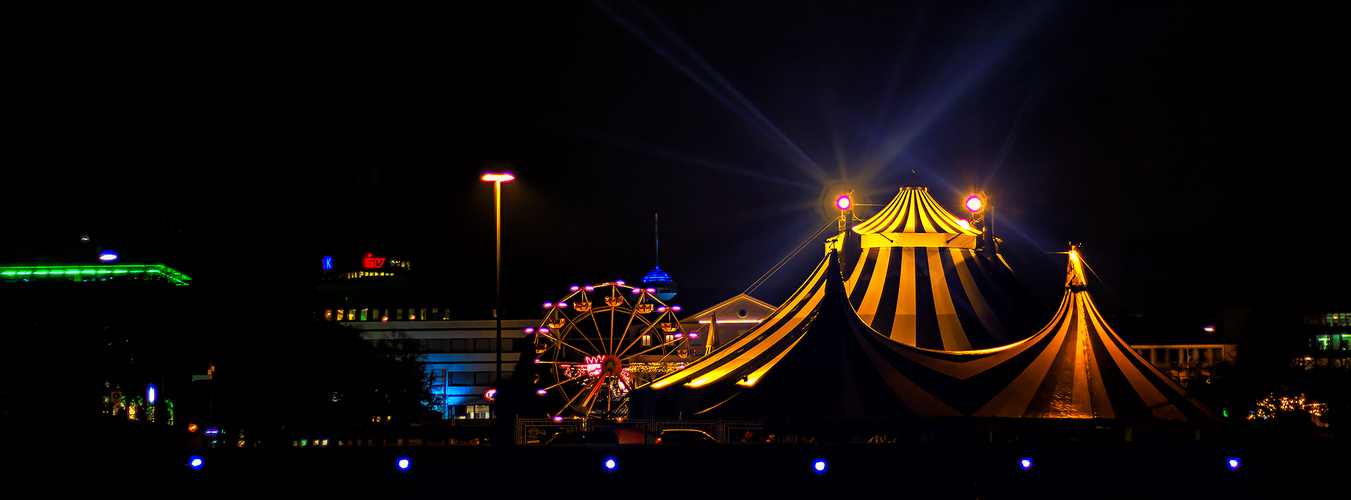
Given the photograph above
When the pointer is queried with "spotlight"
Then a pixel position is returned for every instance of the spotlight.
(195, 462)
(1233, 463)
(819, 466)
(975, 203)
(610, 464)
(1025, 463)
(403, 463)
(843, 202)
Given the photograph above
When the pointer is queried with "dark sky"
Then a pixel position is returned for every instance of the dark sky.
(1193, 149)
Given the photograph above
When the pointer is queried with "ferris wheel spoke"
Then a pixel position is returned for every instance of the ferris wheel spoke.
(571, 326)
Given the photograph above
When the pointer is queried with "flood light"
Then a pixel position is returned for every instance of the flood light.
(195, 462)
(107, 256)
(1025, 463)
(843, 202)
(150, 393)
(610, 463)
(974, 203)
(1233, 463)
(403, 463)
(819, 466)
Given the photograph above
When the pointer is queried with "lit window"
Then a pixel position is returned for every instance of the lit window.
(423, 314)
(351, 314)
(647, 340)
(399, 314)
(328, 315)
(339, 314)
(363, 314)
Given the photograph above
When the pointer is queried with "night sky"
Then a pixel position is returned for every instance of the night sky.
(1195, 150)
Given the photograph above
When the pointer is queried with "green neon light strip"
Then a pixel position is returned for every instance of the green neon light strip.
(154, 270)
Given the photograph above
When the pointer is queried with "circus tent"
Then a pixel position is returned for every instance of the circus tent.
(925, 278)
(815, 358)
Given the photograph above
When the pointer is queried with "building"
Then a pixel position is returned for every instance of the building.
(384, 298)
(108, 330)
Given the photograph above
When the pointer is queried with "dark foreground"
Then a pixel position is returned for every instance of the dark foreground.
(930, 470)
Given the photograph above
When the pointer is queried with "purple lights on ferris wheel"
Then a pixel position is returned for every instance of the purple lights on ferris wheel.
(574, 288)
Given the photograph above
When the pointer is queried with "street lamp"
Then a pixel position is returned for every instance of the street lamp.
(497, 178)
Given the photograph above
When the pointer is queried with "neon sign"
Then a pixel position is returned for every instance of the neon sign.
(328, 262)
(369, 262)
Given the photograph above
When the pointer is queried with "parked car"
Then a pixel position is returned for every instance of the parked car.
(685, 436)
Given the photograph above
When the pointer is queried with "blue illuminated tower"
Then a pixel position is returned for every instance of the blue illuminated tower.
(656, 278)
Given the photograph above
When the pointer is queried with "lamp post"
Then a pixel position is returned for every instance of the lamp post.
(497, 178)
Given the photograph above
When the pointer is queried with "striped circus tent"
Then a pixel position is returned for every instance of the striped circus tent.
(815, 358)
(1074, 367)
(925, 278)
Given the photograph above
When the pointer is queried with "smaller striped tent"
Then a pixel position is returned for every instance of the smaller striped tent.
(1074, 367)
(921, 280)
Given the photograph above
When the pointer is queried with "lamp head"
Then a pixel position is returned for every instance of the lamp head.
(498, 177)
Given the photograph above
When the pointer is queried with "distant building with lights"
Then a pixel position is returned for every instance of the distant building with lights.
(110, 320)
(383, 299)
(1329, 341)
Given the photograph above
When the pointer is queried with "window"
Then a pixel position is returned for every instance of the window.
(483, 345)
(351, 314)
(1144, 353)
(436, 313)
(328, 315)
(363, 314)
(339, 314)
(423, 314)
(461, 378)
(399, 314)
(459, 345)
(647, 340)
(483, 378)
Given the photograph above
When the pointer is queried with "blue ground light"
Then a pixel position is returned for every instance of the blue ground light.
(195, 462)
(819, 466)
(1025, 463)
(403, 463)
(610, 464)
(1232, 463)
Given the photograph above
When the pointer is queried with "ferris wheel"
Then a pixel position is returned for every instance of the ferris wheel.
(602, 341)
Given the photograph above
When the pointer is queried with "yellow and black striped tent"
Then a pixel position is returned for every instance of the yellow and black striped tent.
(816, 358)
(920, 279)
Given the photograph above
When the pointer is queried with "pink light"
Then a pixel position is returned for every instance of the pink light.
(974, 203)
(619, 282)
(637, 291)
(675, 308)
(651, 290)
(541, 392)
(558, 418)
(843, 202)
(694, 335)
(562, 305)
(574, 288)
(589, 288)
(544, 329)
(529, 331)
(548, 305)
(661, 309)
(498, 177)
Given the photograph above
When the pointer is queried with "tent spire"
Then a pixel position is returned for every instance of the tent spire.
(1074, 271)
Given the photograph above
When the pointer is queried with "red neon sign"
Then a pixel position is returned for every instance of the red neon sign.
(369, 262)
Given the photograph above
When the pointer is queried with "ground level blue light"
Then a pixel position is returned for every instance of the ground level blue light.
(1025, 463)
(819, 466)
(404, 463)
(610, 463)
(1233, 463)
(195, 462)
